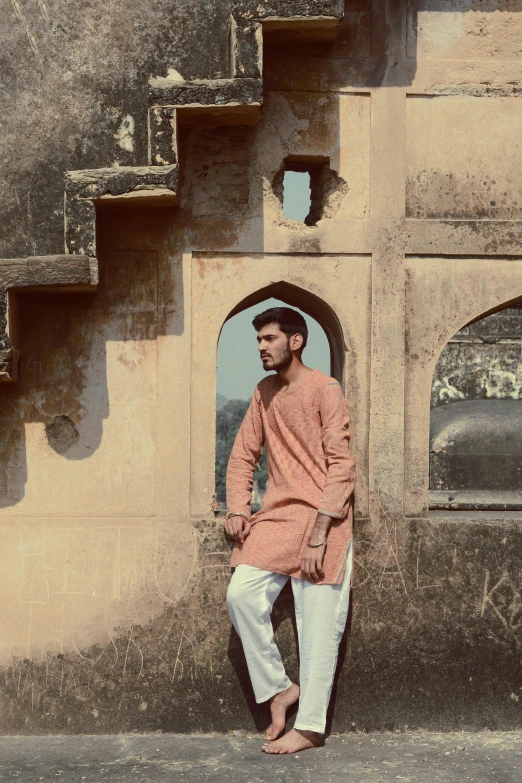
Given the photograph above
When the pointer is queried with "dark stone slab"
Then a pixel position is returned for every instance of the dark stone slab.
(504, 325)
(79, 272)
(211, 92)
(96, 183)
(292, 9)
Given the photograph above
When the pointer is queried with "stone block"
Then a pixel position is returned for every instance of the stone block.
(294, 9)
(223, 101)
(246, 49)
(163, 136)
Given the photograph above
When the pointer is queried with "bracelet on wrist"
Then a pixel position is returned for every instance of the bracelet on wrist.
(323, 543)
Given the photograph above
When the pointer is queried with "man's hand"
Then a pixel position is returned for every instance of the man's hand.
(312, 563)
(237, 528)
(313, 556)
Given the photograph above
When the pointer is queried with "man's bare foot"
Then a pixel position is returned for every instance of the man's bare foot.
(279, 704)
(294, 741)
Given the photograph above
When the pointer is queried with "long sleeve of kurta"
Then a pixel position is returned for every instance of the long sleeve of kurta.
(335, 434)
(244, 457)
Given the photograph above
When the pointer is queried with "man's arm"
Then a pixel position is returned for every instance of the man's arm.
(244, 457)
(340, 478)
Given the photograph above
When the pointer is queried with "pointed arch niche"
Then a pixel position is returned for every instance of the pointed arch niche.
(476, 416)
(334, 290)
(443, 295)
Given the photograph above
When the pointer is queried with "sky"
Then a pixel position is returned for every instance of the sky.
(296, 195)
(239, 367)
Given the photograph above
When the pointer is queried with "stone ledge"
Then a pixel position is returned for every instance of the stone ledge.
(71, 273)
(96, 183)
(61, 271)
(154, 184)
(475, 500)
(206, 93)
(290, 10)
(216, 101)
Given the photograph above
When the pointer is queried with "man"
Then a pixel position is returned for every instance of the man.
(303, 530)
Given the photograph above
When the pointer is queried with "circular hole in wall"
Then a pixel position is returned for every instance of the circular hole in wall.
(62, 434)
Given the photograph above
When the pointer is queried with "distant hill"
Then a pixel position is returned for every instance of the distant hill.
(220, 401)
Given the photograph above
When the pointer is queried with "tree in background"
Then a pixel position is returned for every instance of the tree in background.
(228, 421)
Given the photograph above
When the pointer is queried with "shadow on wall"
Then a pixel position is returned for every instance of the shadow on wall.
(64, 343)
(377, 41)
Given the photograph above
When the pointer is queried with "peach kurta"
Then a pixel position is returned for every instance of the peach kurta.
(310, 469)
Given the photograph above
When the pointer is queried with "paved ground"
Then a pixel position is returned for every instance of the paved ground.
(236, 758)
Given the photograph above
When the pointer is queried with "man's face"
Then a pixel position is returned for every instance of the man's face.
(274, 347)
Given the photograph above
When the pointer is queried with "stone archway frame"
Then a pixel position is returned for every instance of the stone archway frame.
(335, 290)
(442, 296)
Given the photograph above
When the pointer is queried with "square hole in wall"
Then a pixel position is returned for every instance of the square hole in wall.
(301, 185)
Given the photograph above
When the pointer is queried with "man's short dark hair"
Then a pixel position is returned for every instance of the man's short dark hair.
(289, 321)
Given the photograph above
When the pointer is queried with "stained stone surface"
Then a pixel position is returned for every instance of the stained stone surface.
(158, 758)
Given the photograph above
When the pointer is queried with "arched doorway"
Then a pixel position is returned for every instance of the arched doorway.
(336, 296)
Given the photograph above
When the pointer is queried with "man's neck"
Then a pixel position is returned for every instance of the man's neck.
(293, 375)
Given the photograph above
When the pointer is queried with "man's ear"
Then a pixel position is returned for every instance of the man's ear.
(296, 341)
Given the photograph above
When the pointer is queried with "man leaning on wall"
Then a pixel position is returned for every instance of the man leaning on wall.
(302, 532)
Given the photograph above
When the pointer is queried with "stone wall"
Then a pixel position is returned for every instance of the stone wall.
(166, 127)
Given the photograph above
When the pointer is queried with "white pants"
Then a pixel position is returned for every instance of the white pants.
(320, 611)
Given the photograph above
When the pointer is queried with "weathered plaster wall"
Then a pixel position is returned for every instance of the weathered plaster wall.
(455, 169)
(113, 570)
(74, 89)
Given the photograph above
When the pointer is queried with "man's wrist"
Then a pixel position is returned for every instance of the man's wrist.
(320, 529)
(322, 522)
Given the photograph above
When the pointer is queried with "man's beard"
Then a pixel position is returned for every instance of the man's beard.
(284, 360)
